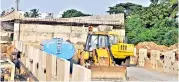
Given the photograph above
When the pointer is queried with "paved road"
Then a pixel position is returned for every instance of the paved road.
(141, 74)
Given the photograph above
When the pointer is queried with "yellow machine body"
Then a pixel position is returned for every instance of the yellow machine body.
(86, 55)
(102, 57)
(122, 50)
(102, 48)
(119, 50)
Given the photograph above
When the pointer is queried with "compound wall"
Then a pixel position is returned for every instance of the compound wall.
(40, 32)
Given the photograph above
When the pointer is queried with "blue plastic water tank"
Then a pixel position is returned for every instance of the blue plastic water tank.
(58, 47)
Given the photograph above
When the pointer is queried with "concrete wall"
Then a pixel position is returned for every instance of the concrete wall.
(47, 67)
(40, 32)
(121, 33)
(16, 31)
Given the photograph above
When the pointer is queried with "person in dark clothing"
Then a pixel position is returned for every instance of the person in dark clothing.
(2, 77)
(16, 60)
(72, 61)
(17, 63)
(18, 54)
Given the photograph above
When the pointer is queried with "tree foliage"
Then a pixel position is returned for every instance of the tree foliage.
(170, 37)
(154, 1)
(73, 13)
(125, 8)
(34, 13)
(154, 23)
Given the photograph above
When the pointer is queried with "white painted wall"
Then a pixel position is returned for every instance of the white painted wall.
(37, 32)
(16, 31)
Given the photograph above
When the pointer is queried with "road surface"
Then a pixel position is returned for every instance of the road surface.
(142, 74)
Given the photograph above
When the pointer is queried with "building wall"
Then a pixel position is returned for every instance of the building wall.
(121, 33)
(40, 32)
(16, 31)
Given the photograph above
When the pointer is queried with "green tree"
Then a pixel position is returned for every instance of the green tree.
(27, 14)
(73, 13)
(174, 8)
(153, 23)
(170, 37)
(34, 13)
(126, 8)
(154, 1)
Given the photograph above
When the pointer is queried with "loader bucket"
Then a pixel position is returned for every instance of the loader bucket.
(109, 72)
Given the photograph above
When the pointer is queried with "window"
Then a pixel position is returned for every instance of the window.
(113, 39)
(93, 42)
(96, 41)
(102, 41)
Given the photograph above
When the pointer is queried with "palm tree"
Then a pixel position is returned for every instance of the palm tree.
(27, 14)
(35, 13)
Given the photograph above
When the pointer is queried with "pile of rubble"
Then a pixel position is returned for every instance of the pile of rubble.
(156, 57)
(175, 49)
(153, 46)
(3, 48)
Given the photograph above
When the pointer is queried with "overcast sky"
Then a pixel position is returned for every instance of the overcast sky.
(56, 6)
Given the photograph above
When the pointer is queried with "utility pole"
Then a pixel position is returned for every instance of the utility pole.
(17, 5)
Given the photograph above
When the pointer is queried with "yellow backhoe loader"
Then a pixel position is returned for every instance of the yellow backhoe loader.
(104, 53)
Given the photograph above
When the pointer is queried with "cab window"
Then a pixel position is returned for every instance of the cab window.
(113, 39)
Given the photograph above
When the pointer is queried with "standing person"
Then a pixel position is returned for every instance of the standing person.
(18, 55)
(16, 61)
(2, 75)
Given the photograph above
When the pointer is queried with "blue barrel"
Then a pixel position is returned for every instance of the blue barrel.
(58, 47)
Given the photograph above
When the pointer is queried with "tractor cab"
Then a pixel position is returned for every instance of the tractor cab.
(100, 40)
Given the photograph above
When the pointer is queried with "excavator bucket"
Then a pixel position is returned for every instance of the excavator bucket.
(109, 72)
